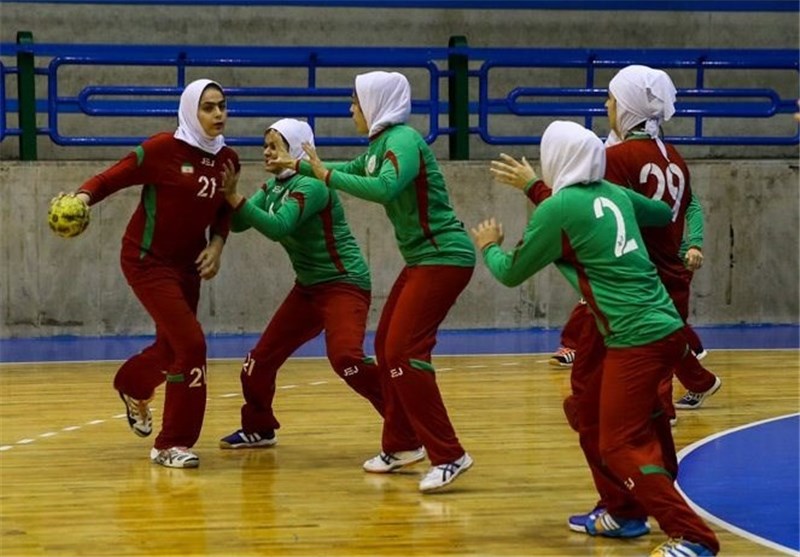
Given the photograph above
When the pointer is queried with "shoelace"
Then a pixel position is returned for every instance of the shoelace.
(693, 396)
(448, 469)
(388, 458)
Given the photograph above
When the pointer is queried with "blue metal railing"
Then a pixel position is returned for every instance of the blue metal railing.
(313, 101)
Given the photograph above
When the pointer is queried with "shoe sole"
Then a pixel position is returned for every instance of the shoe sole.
(556, 363)
(576, 528)
(463, 470)
(395, 467)
(259, 445)
(189, 464)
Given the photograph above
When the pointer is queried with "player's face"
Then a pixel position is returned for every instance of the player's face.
(212, 112)
(358, 116)
(274, 145)
(611, 108)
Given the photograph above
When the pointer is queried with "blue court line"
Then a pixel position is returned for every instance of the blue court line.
(746, 480)
(450, 342)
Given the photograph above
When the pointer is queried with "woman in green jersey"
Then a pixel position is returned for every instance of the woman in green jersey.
(400, 172)
(589, 229)
(332, 291)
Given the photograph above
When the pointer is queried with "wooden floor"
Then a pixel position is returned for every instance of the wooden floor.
(76, 481)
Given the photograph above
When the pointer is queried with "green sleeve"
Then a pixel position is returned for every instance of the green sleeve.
(307, 199)
(399, 168)
(540, 246)
(694, 225)
(649, 212)
(355, 166)
(238, 222)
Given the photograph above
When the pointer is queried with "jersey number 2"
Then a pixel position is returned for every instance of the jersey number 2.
(623, 244)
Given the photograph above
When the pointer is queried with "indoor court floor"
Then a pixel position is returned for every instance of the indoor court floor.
(75, 481)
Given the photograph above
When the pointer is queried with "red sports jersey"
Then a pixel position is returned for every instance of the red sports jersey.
(638, 164)
(181, 198)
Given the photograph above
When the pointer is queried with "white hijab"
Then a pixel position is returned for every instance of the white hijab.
(295, 132)
(385, 99)
(571, 155)
(189, 129)
(643, 95)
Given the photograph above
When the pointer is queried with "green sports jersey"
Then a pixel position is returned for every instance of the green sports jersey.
(308, 220)
(591, 234)
(400, 172)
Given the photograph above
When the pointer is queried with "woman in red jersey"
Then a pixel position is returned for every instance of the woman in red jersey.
(173, 240)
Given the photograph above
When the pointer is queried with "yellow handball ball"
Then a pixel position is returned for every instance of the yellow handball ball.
(68, 215)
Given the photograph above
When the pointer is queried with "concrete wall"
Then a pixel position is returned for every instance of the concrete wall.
(50, 285)
(282, 26)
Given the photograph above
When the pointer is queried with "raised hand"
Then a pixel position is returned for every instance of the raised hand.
(487, 232)
(316, 163)
(510, 171)
(230, 182)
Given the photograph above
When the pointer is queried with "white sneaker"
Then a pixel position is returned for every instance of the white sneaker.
(140, 419)
(389, 462)
(174, 457)
(444, 474)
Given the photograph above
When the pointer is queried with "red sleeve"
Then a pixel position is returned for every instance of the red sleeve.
(538, 192)
(130, 171)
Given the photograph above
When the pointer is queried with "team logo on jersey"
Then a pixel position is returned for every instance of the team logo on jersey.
(372, 162)
(187, 168)
(207, 162)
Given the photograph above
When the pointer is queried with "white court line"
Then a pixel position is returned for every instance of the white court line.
(686, 451)
(48, 434)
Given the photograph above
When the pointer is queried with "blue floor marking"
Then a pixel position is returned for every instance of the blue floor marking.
(746, 479)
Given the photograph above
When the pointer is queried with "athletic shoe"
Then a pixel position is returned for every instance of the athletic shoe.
(241, 440)
(693, 401)
(140, 419)
(174, 457)
(577, 522)
(609, 527)
(389, 462)
(681, 548)
(563, 357)
(444, 474)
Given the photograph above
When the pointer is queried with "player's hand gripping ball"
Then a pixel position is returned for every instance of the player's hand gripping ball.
(68, 215)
